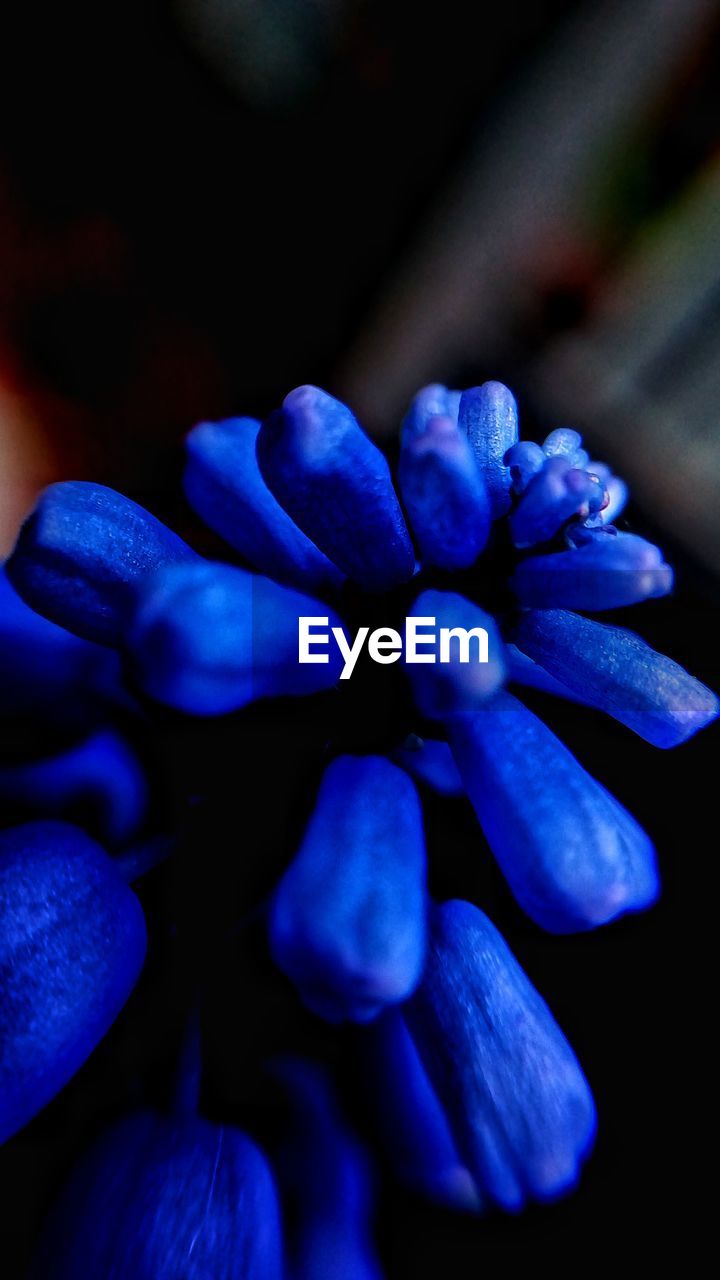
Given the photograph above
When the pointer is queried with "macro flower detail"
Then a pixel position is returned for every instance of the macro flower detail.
(497, 546)
(348, 918)
(520, 1107)
(72, 944)
(188, 1198)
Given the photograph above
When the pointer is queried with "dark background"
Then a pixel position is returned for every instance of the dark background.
(203, 205)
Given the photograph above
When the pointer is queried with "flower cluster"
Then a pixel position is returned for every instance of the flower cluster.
(484, 1096)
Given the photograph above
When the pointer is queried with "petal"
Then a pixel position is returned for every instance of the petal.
(525, 459)
(443, 688)
(72, 943)
(188, 1199)
(348, 918)
(223, 484)
(327, 1180)
(488, 414)
(414, 1128)
(552, 497)
(430, 762)
(336, 485)
(608, 572)
(444, 495)
(209, 638)
(430, 402)
(523, 670)
(573, 857)
(520, 1107)
(100, 776)
(562, 443)
(615, 670)
(80, 552)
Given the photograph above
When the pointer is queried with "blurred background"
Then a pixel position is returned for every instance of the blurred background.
(206, 202)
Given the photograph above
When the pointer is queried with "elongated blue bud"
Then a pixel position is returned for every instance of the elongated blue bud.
(100, 776)
(326, 1180)
(430, 402)
(223, 483)
(430, 762)
(166, 1198)
(50, 681)
(519, 1105)
(444, 495)
(348, 918)
(460, 669)
(562, 443)
(72, 943)
(620, 673)
(80, 553)
(208, 638)
(572, 855)
(608, 572)
(488, 414)
(413, 1125)
(552, 497)
(336, 485)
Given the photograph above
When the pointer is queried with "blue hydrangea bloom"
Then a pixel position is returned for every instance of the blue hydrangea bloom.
(511, 538)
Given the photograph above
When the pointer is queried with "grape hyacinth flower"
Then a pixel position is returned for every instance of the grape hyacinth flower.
(485, 535)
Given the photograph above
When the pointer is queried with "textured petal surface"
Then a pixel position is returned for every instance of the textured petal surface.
(337, 487)
(521, 1109)
(223, 483)
(488, 415)
(348, 918)
(573, 857)
(444, 688)
(444, 495)
(608, 572)
(209, 638)
(72, 943)
(166, 1198)
(80, 552)
(618, 672)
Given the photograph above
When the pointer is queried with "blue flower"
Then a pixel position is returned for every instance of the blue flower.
(507, 538)
(72, 944)
(348, 918)
(164, 1197)
(522, 1111)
